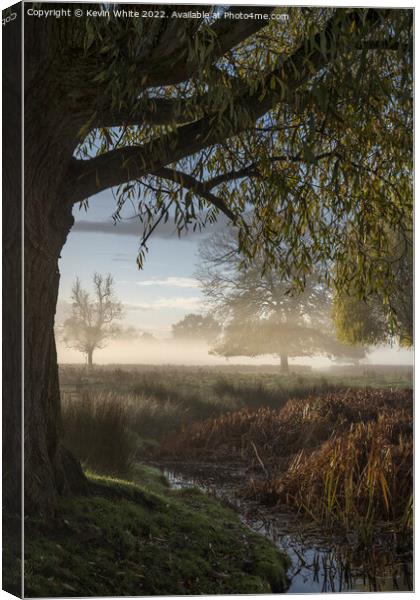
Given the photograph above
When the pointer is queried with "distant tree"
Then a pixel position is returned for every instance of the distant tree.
(132, 333)
(285, 339)
(196, 327)
(126, 333)
(93, 319)
(146, 336)
(263, 313)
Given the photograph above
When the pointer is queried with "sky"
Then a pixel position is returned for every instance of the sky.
(153, 298)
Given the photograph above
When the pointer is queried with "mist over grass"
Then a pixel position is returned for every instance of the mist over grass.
(169, 351)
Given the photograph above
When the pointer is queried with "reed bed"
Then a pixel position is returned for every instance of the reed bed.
(356, 479)
(97, 430)
(299, 424)
(343, 458)
(109, 431)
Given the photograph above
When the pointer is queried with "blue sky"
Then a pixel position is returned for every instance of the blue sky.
(157, 296)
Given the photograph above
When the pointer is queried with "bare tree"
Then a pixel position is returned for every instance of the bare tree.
(92, 322)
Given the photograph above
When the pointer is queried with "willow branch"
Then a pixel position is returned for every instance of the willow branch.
(199, 188)
(88, 177)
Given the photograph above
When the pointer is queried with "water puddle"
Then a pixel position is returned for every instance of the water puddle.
(318, 564)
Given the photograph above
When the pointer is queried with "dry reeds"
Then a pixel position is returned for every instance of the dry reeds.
(359, 477)
(302, 423)
(342, 458)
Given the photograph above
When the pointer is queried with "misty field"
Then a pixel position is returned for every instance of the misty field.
(156, 401)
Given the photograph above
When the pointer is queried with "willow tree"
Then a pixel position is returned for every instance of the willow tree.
(368, 320)
(306, 125)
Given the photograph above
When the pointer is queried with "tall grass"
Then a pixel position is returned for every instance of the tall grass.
(108, 431)
(96, 430)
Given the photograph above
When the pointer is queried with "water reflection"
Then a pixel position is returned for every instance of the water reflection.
(318, 564)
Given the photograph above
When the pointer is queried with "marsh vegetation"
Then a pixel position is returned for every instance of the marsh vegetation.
(325, 452)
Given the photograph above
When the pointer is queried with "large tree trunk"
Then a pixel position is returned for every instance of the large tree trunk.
(90, 358)
(49, 143)
(49, 468)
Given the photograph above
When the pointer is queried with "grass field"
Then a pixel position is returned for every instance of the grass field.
(166, 397)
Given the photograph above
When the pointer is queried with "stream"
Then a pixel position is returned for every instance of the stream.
(318, 563)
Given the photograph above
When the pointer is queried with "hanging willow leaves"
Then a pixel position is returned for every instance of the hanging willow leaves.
(300, 132)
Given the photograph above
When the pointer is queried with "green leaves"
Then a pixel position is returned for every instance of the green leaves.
(319, 118)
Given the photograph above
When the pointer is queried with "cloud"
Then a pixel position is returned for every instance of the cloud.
(133, 227)
(177, 282)
(192, 303)
(122, 259)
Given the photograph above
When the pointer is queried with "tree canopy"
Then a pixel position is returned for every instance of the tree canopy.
(263, 313)
(300, 132)
(370, 320)
(196, 327)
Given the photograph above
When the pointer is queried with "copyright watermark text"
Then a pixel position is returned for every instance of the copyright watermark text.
(122, 13)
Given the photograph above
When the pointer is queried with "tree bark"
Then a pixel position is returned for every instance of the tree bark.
(284, 363)
(90, 358)
(49, 143)
(49, 468)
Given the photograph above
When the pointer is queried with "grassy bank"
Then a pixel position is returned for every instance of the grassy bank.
(144, 539)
